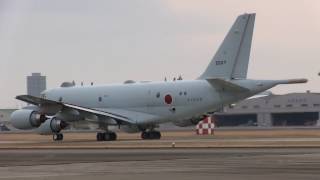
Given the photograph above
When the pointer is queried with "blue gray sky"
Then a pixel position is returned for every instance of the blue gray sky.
(115, 40)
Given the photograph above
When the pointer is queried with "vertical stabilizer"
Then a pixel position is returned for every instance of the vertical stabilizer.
(232, 58)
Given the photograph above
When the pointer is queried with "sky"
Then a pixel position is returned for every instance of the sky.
(115, 40)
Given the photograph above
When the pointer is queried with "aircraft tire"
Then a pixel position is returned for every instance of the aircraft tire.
(106, 136)
(151, 135)
(113, 136)
(145, 135)
(100, 136)
(57, 137)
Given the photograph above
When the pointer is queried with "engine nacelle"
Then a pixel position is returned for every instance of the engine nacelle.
(26, 119)
(52, 125)
(188, 122)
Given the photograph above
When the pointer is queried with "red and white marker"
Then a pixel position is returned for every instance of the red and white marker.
(205, 127)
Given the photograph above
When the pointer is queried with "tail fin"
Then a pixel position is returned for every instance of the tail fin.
(232, 58)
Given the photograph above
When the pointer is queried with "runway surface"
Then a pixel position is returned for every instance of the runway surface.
(224, 163)
(263, 155)
(183, 139)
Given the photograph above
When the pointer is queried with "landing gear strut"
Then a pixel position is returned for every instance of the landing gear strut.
(106, 136)
(57, 137)
(151, 135)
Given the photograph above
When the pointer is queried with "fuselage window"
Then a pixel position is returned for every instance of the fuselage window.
(158, 95)
(180, 93)
(100, 99)
(60, 99)
(185, 93)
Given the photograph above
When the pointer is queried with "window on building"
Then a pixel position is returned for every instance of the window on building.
(304, 105)
(244, 107)
(289, 105)
(277, 106)
(316, 105)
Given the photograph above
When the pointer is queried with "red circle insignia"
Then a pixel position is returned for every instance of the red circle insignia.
(168, 99)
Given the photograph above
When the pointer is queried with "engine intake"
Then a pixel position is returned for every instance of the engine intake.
(27, 119)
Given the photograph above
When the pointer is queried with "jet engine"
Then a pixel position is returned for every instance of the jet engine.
(189, 122)
(27, 119)
(51, 126)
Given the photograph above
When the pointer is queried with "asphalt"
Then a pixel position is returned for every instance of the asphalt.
(285, 154)
(211, 163)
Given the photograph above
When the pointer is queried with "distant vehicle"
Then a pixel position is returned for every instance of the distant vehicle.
(142, 106)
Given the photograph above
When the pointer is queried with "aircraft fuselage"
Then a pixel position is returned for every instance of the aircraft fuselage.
(167, 101)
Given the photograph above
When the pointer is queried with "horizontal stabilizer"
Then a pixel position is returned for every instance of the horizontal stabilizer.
(293, 81)
(226, 85)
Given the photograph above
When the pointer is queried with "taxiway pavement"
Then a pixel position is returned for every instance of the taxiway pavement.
(263, 155)
(159, 164)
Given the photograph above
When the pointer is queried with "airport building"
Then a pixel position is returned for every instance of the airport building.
(36, 84)
(295, 109)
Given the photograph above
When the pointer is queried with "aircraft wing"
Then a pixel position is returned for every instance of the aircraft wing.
(36, 100)
(100, 112)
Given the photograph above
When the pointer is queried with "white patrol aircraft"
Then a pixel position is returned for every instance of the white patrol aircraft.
(141, 107)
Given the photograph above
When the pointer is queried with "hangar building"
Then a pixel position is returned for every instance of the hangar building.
(294, 109)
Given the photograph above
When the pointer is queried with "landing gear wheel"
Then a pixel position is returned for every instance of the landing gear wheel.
(57, 137)
(144, 135)
(151, 135)
(113, 136)
(100, 136)
(106, 136)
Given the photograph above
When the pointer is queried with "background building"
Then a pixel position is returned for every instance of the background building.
(36, 84)
(295, 109)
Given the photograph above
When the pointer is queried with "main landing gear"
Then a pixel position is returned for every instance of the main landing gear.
(106, 136)
(57, 137)
(151, 135)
